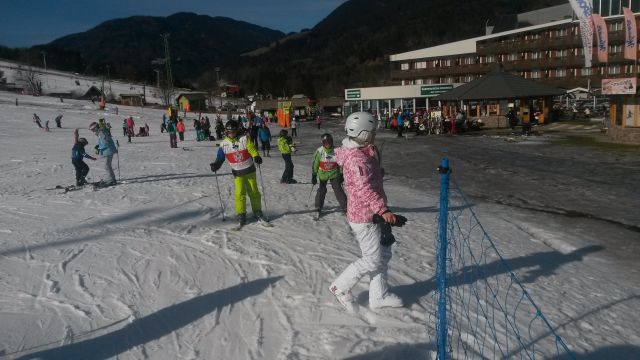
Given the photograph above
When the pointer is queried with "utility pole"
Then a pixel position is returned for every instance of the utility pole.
(44, 59)
(109, 79)
(167, 65)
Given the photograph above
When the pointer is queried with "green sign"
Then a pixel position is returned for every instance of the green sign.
(432, 90)
(353, 94)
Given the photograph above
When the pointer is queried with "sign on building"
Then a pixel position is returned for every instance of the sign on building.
(433, 90)
(619, 86)
(354, 94)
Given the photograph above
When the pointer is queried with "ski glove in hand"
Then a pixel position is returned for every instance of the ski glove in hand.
(258, 160)
(215, 166)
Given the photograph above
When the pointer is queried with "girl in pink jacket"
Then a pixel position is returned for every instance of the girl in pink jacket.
(360, 163)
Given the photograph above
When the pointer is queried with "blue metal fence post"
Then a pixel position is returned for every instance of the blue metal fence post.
(441, 271)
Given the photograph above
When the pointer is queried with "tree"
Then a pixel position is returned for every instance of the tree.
(30, 79)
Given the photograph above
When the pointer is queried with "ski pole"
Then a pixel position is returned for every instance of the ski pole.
(310, 192)
(220, 196)
(118, 159)
(264, 195)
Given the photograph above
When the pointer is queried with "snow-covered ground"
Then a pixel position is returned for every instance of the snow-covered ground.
(149, 269)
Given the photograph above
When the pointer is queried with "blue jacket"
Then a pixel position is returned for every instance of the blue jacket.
(106, 146)
(264, 134)
(78, 153)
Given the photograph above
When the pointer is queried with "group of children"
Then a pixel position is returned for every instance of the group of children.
(353, 170)
(356, 165)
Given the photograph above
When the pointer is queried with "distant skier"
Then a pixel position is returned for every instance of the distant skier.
(130, 128)
(77, 158)
(180, 128)
(58, 121)
(285, 145)
(325, 167)
(360, 163)
(46, 126)
(36, 119)
(242, 154)
(171, 129)
(264, 134)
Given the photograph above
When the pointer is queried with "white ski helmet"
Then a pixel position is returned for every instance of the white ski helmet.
(361, 126)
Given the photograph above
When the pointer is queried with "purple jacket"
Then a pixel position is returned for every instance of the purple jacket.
(362, 181)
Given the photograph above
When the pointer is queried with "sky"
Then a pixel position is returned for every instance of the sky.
(48, 20)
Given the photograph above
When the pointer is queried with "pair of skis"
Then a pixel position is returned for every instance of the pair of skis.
(262, 222)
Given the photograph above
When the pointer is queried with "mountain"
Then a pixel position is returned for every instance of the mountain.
(128, 46)
(349, 48)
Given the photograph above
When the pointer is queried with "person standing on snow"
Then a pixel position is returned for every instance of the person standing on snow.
(241, 153)
(264, 134)
(360, 163)
(130, 128)
(285, 145)
(325, 167)
(106, 148)
(77, 158)
(180, 127)
(171, 129)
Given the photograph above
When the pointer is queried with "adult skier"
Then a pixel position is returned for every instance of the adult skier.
(325, 167)
(106, 148)
(241, 154)
(360, 163)
(77, 158)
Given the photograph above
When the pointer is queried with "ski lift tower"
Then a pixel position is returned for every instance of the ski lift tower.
(167, 66)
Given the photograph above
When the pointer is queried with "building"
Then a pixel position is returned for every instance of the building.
(192, 101)
(132, 99)
(544, 46)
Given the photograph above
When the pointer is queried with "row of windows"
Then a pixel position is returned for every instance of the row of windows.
(534, 55)
(614, 7)
(533, 74)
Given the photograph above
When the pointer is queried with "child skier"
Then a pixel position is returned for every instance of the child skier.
(264, 134)
(77, 158)
(363, 183)
(180, 127)
(325, 167)
(285, 145)
(171, 129)
(242, 154)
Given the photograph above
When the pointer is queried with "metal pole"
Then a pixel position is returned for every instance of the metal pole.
(220, 196)
(264, 195)
(441, 270)
(310, 192)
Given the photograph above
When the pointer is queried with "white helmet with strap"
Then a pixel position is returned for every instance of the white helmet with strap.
(361, 127)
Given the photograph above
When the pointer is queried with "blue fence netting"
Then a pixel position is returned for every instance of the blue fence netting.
(483, 311)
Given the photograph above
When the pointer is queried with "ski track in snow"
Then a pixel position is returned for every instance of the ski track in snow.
(89, 264)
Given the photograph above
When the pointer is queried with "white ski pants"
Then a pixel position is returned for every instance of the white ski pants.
(374, 261)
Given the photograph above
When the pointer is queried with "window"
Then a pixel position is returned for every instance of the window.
(469, 60)
(418, 82)
(536, 74)
(614, 69)
(562, 72)
(628, 69)
(586, 71)
(421, 65)
(560, 53)
(445, 62)
(404, 66)
(615, 49)
(536, 55)
(512, 57)
(429, 81)
(561, 33)
(615, 26)
(490, 59)
(468, 78)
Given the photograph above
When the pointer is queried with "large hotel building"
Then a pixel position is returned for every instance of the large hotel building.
(543, 45)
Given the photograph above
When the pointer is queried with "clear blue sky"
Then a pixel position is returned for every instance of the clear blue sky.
(31, 22)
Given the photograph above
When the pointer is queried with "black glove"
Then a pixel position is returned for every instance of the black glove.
(400, 220)
(387, 238)
(215, 166)
(314, 179)
(258, 160)
(340, 178)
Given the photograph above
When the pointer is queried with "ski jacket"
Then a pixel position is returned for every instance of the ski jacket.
(130, 122)
(264, 134)
(362, 181)
(78, 152)
(325, 165)
(240, 153)
(284, 145)
(180, 126)
(106, 146)
(171, 127)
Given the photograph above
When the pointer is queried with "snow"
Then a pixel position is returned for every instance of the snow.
(148, 269)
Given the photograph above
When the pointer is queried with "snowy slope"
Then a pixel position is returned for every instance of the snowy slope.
(148, 269)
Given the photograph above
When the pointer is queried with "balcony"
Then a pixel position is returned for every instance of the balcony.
(455, 70)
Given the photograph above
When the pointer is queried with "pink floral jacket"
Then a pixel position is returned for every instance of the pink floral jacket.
(362, 181)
